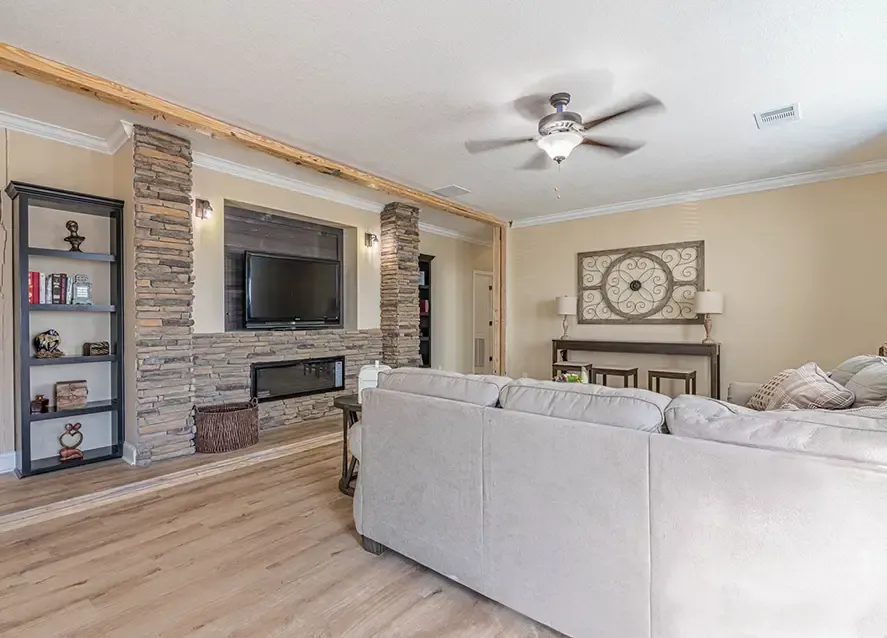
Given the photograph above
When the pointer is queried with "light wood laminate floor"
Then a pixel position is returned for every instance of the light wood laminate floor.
(268, 550)
(20, 494)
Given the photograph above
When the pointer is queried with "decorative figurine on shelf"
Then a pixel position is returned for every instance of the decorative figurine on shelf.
(69, 451)
(46, 345)
(96, 349)
(74, 239)
(39, 405)
(81, 291)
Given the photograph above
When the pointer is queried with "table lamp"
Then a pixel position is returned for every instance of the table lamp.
(708, 303)
(566, 306)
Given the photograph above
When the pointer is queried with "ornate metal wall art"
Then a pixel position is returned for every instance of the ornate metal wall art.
(644, 284)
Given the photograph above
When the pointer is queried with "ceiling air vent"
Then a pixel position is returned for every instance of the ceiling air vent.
(783, 115)
(451, 191)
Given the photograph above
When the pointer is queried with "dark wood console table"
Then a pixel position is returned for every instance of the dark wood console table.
(710, 350)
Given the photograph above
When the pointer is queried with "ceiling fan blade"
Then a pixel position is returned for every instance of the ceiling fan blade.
(620, 148)
(482, 146)
(533, 107)
(539, 162)
(645, 102)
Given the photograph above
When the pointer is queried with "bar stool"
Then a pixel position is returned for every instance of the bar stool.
(625, 373)
(688, 376)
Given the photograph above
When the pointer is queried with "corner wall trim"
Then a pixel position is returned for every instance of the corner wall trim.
(771, 183)
(7, 462)
(129, 453)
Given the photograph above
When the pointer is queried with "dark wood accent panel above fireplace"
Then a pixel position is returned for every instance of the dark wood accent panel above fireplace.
(248, 230)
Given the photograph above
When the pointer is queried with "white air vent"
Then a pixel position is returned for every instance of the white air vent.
(451, 191)
(783, 115)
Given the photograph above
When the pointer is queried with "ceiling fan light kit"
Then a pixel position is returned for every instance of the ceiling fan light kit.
(558, 146)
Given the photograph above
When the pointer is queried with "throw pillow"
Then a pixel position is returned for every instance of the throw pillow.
(810, 388)
(764, 395)
(869, 385)
(851, 366)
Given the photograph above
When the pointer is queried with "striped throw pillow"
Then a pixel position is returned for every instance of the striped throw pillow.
(810, 388)
(764, 395)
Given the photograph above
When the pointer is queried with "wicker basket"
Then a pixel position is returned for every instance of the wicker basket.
(226, 427)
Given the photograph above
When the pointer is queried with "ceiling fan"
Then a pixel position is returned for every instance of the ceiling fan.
(562, 131)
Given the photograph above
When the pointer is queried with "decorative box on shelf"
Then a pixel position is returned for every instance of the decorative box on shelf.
(70, 395)
(96, 349)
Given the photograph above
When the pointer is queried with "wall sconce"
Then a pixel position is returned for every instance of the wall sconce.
(202, 209)
(370, 239)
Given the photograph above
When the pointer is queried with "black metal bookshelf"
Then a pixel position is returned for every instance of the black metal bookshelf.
(24, 197)
(425, 316)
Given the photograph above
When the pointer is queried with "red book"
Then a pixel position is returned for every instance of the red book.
(31, 287)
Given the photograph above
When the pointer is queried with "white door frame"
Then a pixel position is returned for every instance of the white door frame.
(474, 274)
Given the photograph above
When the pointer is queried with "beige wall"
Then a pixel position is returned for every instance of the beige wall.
(361, 263)
(801, 270)
(32, 159)
(451, 298)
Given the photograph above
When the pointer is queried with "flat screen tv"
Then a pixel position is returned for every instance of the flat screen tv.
(292, 292)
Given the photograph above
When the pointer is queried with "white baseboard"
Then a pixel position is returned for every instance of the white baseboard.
(129, 452)
(7, 462)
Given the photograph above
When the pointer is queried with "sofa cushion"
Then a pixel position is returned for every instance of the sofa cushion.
(859, 434)
(869, 385)
(763, 396)
(479, 389)
(703, 409)
(843, 373)
(620, 407)
(810, 388)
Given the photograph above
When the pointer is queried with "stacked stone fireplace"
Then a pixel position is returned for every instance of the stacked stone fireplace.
(177, 368)
(223, 367)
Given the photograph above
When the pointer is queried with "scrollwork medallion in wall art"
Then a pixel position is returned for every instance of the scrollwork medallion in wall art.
(645, 284)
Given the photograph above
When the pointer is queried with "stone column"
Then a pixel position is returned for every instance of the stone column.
(164, 294)
(400, 285)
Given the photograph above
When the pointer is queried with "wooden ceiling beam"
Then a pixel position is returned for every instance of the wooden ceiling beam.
(47, 71)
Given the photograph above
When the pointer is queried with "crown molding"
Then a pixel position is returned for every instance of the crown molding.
(784, 181)
(220, 165)
(213, 163)
(52, 132)
(122, 132)
(452, 234)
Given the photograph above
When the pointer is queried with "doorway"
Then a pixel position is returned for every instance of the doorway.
(483, 322)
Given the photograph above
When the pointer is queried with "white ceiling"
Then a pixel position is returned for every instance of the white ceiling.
(397, 87)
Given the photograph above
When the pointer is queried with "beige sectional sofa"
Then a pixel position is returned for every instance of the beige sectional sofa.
(569, 503)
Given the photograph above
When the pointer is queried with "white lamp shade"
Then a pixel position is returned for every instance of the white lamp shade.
(566, 306)
(558, 146)
(709, 303)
